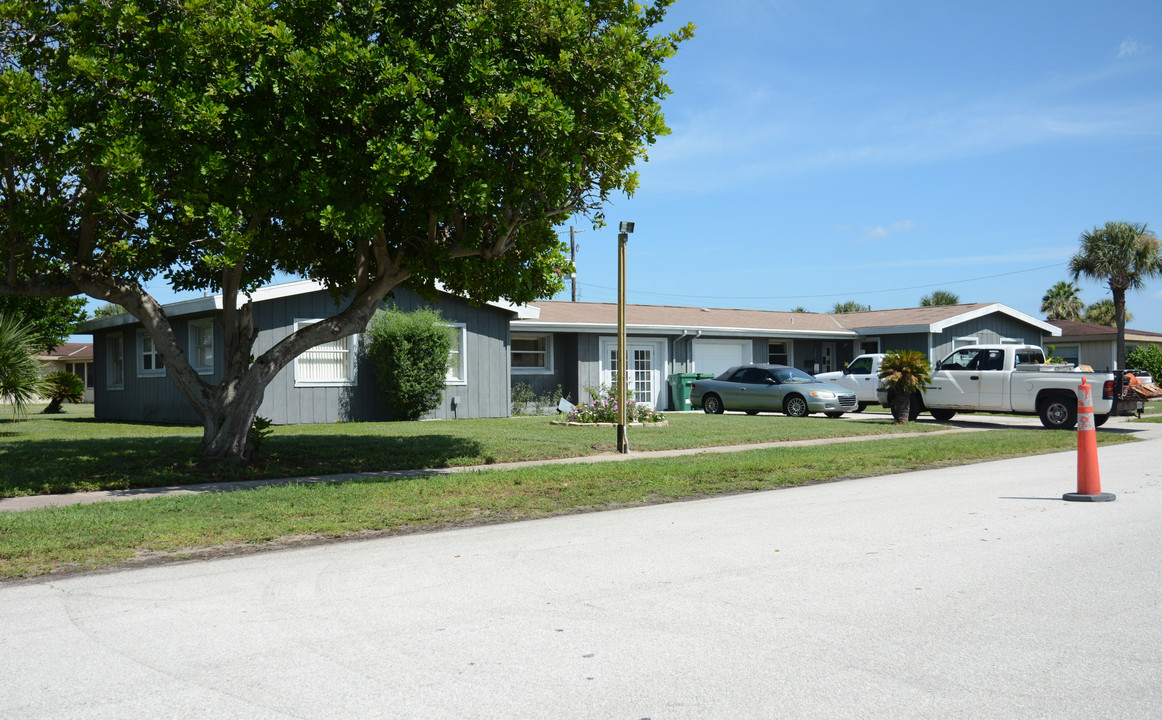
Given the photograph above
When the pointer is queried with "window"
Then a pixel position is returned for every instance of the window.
(326, 365)
(860, 366)
(81, 370)
(532, 354)
(778, 353)
(202, 346)
(1068, 353)
(457, 374)
(149, 360)
(115, 354)
(869, 346)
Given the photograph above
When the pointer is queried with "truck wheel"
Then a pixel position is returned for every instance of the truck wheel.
(1099, 420)
(1059, 412)
(834, 414)
(712, 405)
(942, 415)
(914, 407)
(860, 407)
(796, 406)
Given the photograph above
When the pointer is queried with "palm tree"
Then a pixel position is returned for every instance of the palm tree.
(1122, 255)
(1103, 312)
(20, 381)
(1062, 302)
(940, 297)
(849, 306)
(904, 372)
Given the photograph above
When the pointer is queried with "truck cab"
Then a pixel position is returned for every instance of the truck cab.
(861, 376)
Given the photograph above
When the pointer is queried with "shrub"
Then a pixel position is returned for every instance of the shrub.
(60, 386)
(524, 400)
(603, 408)
(905, 372)
(409, 353)
(20, 380)
(1148, 358)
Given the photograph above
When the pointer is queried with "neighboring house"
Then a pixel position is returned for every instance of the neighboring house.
(76, 358)
(574, 345)
(1096, 345)
(331, 382)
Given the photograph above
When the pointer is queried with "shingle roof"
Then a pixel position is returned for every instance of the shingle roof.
(1079, 329)
(70, 351)
(599, 315)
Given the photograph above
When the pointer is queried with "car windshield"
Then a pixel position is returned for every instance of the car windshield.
(791, 375)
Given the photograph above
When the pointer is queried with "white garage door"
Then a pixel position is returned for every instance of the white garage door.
(715, 356)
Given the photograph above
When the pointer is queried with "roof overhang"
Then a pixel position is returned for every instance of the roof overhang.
(942, 325)
(522, 325)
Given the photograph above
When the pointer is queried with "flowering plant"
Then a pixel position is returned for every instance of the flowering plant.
(603, 408)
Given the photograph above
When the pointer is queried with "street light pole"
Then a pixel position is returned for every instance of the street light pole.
(622, 361)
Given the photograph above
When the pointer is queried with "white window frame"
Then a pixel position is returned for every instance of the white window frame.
(352, 345)
(195, 327)
(790, 345)
(147, 347)
(960, 342)
(867, 341)
(115, 372)
(458, 372)
(545, 368)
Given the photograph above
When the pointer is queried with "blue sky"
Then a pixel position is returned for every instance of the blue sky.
(877, 151)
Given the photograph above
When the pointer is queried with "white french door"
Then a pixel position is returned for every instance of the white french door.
(646, 363)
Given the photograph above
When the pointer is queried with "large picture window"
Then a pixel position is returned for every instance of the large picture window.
(329, 364)
(532, 354)
(149, 360)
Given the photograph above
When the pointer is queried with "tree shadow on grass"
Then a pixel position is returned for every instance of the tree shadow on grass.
(44, 467)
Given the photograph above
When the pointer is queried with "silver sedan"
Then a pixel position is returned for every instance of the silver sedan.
(771, 388)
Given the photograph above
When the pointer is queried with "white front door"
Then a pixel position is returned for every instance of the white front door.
(647, 362)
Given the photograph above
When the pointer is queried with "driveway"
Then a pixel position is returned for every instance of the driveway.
(958, 593)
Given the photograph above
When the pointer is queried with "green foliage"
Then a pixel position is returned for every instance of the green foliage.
(1103, 312)
(525, 401)
(604, 408)
(409, 352)
(51, 320)
(905, 372)
(849, 307)
(62, 386)
(260, 431)
(1062, 302)
(108, 310)
(940, 297)
(20, 381)
(1148, 358)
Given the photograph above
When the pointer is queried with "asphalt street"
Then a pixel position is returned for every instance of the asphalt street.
(971, 592)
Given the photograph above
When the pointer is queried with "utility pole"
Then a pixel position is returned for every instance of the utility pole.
(622, 361)
(573, 247)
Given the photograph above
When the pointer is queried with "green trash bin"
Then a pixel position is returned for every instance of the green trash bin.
(680, 389)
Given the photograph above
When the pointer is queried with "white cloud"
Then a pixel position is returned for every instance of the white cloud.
(1132, 48)
(880, 232)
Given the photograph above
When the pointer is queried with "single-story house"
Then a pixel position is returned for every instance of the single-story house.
(1095, 345)
(76, 358)
(574, 344)
(330, 383)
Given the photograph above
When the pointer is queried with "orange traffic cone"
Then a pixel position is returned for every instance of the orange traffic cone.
(1088, 474)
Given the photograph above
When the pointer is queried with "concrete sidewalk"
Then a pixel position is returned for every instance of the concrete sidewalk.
(963, 592)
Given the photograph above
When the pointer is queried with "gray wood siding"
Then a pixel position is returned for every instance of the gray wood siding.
(988, 330)
(157, 399)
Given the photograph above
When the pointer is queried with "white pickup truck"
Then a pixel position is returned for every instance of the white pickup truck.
(1015, 379)
(861, 375)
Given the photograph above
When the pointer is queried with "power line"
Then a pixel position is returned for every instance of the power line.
(828, 295)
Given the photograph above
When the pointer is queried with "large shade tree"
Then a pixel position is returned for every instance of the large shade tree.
(214, 143)
(1062, 302)
(1122, 255)
(51, 320)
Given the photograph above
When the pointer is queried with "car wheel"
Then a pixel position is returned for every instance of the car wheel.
(943, 415)
(1058, 412)
(834, 415)
(796, 406)
(860, 407)
(712, 405)
(752, 412)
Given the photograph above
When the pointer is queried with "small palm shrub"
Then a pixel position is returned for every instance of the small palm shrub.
(61, 386)
(904, 372)
(20, 381)
(410, 353)
(604, 408)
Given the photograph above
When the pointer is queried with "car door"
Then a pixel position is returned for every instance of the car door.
(956, 382)
(861, 379)
(757, 391)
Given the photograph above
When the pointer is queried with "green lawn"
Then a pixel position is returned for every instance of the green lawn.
(84, 537)
(46, 454)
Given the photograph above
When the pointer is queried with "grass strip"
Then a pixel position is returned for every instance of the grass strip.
(47, 454)
(87, 537)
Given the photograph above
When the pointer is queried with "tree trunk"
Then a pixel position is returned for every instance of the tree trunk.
(226, 425)
(1120, 324)
(901, 408)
